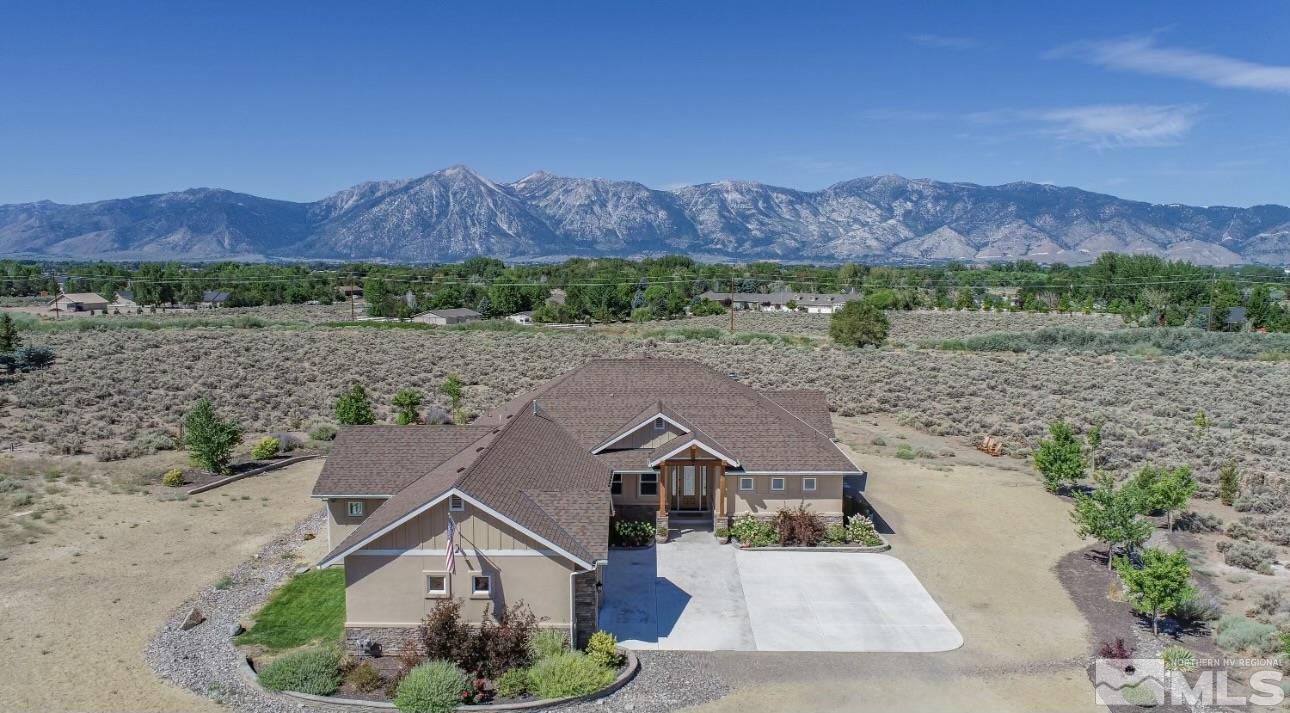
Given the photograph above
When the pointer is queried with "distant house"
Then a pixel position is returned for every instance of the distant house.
(522, 318)
(811, 302)
(79, 302)
(125, 298)
(1235, 316)
(350, 290)
(448, 316)
(214, 298)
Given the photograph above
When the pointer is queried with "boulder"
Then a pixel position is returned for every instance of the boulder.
(194, 618)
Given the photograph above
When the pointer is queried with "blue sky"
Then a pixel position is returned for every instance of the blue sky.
(1169, 102)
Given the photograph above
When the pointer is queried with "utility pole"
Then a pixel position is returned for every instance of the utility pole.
(350, 290)
(732, 303)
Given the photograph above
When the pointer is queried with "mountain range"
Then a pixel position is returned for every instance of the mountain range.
(456, 213)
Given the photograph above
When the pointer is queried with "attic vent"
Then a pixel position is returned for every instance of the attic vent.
(455, 503)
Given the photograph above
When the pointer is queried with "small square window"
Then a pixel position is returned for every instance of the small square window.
(648, 484)
(455, 503)
(658, 424)
(436, 584)
(745, 483)
(808, 484)
(356, 508)
(616, 484)
(481, 585)
(776, 483)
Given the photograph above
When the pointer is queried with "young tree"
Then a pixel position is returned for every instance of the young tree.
(1166, 491)
(1201, 421)
(354, 408)
(452, 388)
(859, 323)
(1111, 515)
(406, 403)
(1160, 586)
(10, 340)
(1229, 483)
(210, 439)
(1094, 440)
(1060, 459)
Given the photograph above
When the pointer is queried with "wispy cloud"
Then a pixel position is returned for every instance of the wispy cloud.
(1098, 125)
(944, 42)
(1142, 54)
(1119, 125)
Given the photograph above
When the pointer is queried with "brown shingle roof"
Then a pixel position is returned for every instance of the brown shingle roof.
(596, 400)
(382, 460)
(808, 405)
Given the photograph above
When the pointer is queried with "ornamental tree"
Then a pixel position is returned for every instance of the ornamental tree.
(1111, 515)
(1163, 582)
(1060, 458)
(354, 408)
(209, 439)
(406, 403)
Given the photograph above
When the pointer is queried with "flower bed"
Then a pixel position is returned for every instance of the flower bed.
(504, 664)
(632, 534)
(800, 528)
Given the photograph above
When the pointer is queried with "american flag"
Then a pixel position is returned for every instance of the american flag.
(450, 556)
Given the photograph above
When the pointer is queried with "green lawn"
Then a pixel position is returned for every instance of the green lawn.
(310, 608)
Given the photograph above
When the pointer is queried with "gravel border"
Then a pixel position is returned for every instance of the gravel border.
(204, 660)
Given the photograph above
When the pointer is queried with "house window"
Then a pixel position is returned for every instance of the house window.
(776, 483)
(658, 424)
(616, 484)
(455, 503)
(481, 585)
(356, 508)
(808, 484)
(648, 484)
(436, 584)
(745, 483)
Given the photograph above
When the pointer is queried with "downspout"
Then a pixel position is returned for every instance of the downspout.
(573, 622)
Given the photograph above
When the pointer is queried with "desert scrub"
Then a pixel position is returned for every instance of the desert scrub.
(1240, 634)
(314, 671)
(1249, 555)
(432, 687)
(571, 673)
(1172, 341)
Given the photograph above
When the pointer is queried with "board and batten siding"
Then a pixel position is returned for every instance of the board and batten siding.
(826, 499)
(647, 437)
(475, 530)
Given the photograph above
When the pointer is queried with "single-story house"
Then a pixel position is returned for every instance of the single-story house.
(522, 498)
(1235, 316)
(448, 316)
(79, 302)
(350, 290)
(522, 318)
(812, 302)
(214, 298)
(125, 298)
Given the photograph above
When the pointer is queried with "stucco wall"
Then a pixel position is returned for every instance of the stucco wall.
(340, 524)
(384, 590)
(826, 499)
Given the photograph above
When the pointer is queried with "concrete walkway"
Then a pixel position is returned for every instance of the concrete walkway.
(697, 595)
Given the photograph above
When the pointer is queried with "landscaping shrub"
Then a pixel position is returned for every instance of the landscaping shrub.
(1250, 555)
(835, 534)
(512, 684)
(444, 636)
(1116, 650)
(632, 533)
(503, 645)
(751, 532)
(861, 530)
(210, 439)
(432, 687)
(799, 527)
(1177, 658)
(266, 448)
(603, 649)
(1237, 633)
(364, 677)
(172, 478)
(570, 673)
(1268, 602)
(314, 671)
(547, 643)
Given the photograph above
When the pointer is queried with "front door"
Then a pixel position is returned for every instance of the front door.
(689, 487)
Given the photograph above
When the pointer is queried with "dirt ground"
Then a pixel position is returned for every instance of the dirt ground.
(984, 538)
(80, 604)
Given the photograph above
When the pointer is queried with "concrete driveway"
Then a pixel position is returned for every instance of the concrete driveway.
(696, 595)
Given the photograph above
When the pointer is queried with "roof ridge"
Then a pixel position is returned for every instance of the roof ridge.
(799, 418)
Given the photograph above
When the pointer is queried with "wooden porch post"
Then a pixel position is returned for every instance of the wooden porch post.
(721, 497)
(661, 519)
